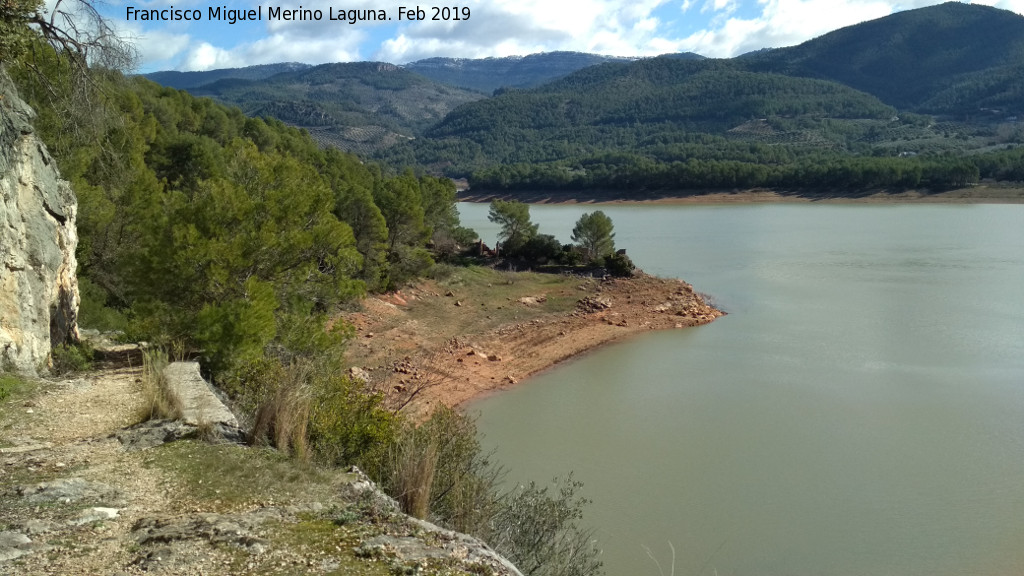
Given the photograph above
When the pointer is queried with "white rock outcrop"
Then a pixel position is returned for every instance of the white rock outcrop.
(38, 286)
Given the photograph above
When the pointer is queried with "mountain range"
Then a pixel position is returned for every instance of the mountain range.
(946, 78)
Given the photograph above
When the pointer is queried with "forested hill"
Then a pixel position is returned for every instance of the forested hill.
(665, 123)
(359, 107)
(189, 80)
(627, 107)
(708, 96)
(951, 58)
(489, 74)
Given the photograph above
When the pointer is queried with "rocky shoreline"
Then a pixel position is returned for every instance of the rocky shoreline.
(470, 363)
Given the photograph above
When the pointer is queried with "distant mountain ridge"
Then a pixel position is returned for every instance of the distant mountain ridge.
(189, 80)
(917, 59)
(489, 74)
(358, 106)
(858, 88)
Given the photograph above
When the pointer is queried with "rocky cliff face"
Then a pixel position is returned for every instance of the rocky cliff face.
(38, 287)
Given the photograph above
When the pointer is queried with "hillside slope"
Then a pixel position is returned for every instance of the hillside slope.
(910, 58)
(189, 80)
(359, 107)
(488, 74)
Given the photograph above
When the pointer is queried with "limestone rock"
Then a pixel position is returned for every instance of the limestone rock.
(199, 403)
(98, 514)
(153, 433)
(38, 288)
(70, 490)
(13, 545)
(594, 304)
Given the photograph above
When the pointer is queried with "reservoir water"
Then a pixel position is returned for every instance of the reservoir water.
(860, 411)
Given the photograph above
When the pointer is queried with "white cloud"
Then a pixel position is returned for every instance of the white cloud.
(782, 23)
(508, 27)
(153, 45)
(516, 27)
(274, 48)
(1013, 5)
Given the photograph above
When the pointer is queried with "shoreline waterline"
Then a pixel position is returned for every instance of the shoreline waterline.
(982, 194)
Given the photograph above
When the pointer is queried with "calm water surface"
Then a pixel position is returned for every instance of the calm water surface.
(859, 412)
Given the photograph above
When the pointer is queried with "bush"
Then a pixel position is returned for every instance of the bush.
(540, 249)
(441, 462)
(619, 265)
(93, 311)
(461, 491)
(70, 358)
(282, 419)
(538, 531)
(414, 468)
(348, 423)
(10, 385)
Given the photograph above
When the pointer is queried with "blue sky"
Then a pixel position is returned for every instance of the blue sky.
(716, 28)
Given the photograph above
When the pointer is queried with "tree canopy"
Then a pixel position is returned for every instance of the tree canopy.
(593, 233)
(516, 227)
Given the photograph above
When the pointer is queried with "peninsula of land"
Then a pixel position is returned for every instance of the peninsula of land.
(479, 330)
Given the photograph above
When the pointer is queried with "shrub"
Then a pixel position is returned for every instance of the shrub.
(538, 531)
(540, 249)
(348, 423)
(415, 465)
(619, 265)
(70, 358)
(462, 487)
(10, 385)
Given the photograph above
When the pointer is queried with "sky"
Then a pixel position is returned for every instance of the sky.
(714, 28)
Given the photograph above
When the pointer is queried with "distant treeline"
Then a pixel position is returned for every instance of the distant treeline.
(623, 171)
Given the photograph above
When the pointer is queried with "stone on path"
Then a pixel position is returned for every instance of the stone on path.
(199, 403)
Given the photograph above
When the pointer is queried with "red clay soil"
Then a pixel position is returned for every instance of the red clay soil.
(430, 367)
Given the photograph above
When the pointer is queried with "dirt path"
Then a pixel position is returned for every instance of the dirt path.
(65, 430)
(75, 502)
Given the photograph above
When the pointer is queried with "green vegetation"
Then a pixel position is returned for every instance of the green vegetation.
(239, 239)
(516, 228)
(593, 233)
(70, 358)
(11, 385)
(667, 124)
(522, 245)
(907, 58)
(490, 74)
(160, 402)
(842, 112)
(15, 35)
(439, 469)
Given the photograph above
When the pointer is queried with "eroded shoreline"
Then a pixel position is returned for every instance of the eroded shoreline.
(982, 194)
(418, 358)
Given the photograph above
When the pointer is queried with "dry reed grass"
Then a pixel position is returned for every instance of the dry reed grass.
(282, 420)
(415, 463)
(159, 401)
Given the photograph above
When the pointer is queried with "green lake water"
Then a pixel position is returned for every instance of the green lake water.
(860, 411)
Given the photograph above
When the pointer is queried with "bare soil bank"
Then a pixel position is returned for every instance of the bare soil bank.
(447, 342)
(981, 194)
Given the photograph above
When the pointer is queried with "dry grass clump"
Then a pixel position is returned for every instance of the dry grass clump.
(159, 401)
(415, 462)
(282, 419)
